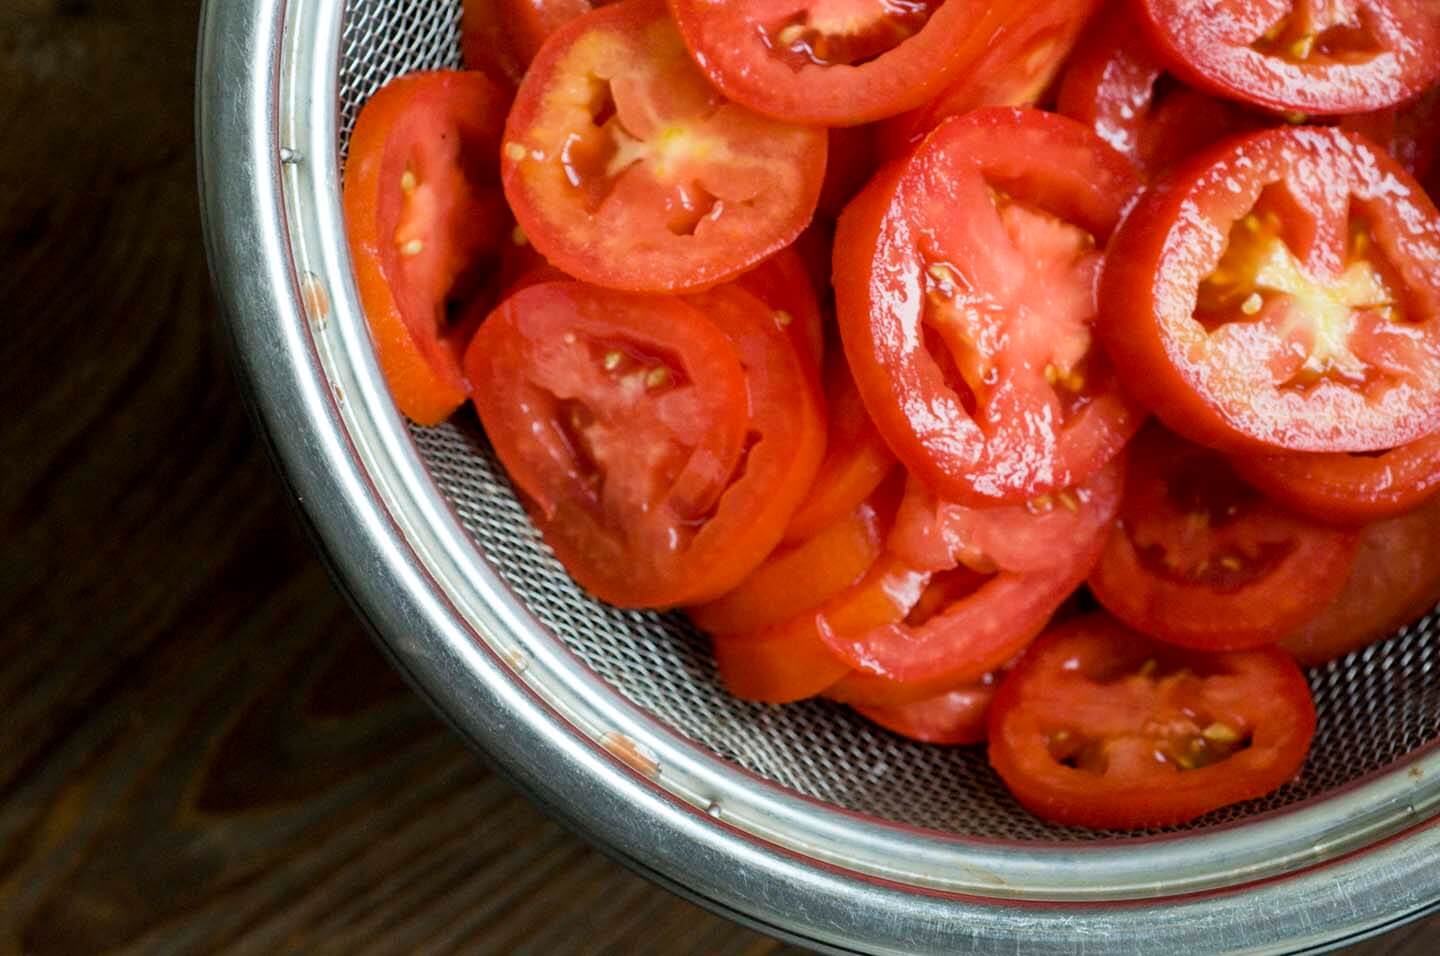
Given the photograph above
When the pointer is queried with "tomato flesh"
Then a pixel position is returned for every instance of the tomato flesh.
(964, 281)
(1282, 292)
(1100, 727)
(1310, 56)
(626, 169)
(424, 221)
(1200, 559)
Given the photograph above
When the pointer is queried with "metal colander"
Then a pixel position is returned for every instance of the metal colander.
(804, 820)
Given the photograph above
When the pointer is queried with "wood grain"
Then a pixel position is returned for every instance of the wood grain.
(201, 751)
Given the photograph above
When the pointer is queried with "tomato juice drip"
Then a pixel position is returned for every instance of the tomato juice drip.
(846, 32)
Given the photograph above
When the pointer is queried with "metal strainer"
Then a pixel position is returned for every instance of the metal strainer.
(802, 820)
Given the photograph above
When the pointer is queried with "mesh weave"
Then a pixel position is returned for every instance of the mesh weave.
(1374, 707)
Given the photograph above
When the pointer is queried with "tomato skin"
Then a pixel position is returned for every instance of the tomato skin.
(1198, 559)
(937, 206)
(1090, 679)
(1016, 70)
(1219, 389)
(1197, 41)
(627, 170)
(1395, 579)
(733, 46)
(442, 127)
(1349, 489)
(632, 479)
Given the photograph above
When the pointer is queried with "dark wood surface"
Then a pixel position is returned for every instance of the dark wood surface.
(200, 752)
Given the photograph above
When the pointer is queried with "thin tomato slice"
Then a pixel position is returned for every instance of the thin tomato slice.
(954, 718)
(1200, 559)
(965, 289)
(1100, 727)
(662, 443)
(425, 221)
(801, 576)
(627, 169)
(856, 457)
(1349, 488)
(1311, 56)
(966, 626)
(1118, 87)
(1395, 579)
(529, 23)
(1017, 69)
(932, 534)
(783, 283)
(835, 62)
(1282, 293)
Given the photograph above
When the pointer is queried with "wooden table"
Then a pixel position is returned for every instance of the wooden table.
(202, 752)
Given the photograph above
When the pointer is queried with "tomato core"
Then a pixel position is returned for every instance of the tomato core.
(845, 32)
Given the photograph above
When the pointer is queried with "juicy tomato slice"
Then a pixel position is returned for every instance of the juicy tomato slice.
(627, 169)
(804, 575)
(1282, 292)
(965, 624)
(424, 220)
(1353, 489)
(1118, 87)
(835, 62)
(783, 283)
(1410, 132)
(856, 457)
(1395, 579)
(932, 534)
(964, 284)
(1311, 56)
(793, 661)
(662, 443)
(1017, 69)
(1100, 727)
(1199, 558)
(954, 718)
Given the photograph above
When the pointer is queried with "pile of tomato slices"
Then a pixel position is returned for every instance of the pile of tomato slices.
(1055, 375)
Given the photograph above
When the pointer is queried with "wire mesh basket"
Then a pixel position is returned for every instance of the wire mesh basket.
(803, 820)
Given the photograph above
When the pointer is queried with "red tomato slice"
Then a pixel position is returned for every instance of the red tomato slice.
(485, 43)
(1018, 68)
(793, 661)
(932, 534)
(424, 221)
(663, 443)
(1282, 292)
(1349, 488)
(856, 457)
(1199, 558)
(835, 62)
(1410, 132)
(802, 576)
(529, 23)
(1117, 86)
(1099, 727)
(626, 169)
(1311, 56)
(783, 283)
(966, 626)
(1395, 579)
(953, 718)
(964, 283)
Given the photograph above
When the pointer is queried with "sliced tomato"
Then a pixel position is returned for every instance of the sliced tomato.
(964, 283)
(966, 625)
(529, 23)
(1352, 489)
(783, 283)
(1282, 292)
(662, 443)
(1118, 87)
(801, 576)
(932, 534)
(1409, 132)
(627, 169)
(485, 43)
(793, 661)
(1100, 727)
(1017, 69)
(425, 221)
(953, 718)
(1201, 559)
(851, 159)
(1310, 56)
(1395, 579)
(856, 457)
(835, 62)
